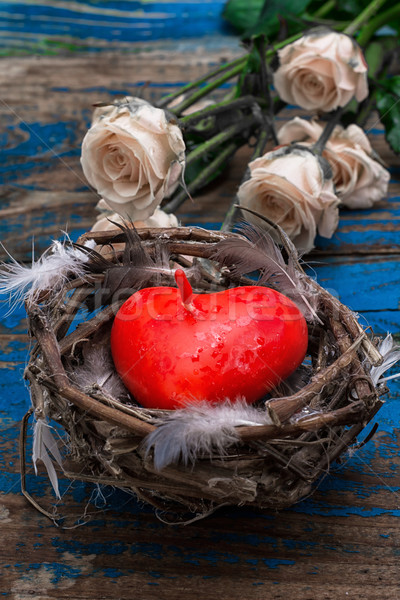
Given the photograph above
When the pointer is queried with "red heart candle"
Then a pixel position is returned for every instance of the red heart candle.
(171, 346)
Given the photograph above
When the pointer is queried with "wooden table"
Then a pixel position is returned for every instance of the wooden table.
(344, 541)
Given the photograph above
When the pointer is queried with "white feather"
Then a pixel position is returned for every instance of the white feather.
(199, 429)
(43, 443)
(391, 355)
(98, 371)
(50, 271)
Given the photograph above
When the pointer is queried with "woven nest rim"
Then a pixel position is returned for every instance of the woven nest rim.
(356, 352)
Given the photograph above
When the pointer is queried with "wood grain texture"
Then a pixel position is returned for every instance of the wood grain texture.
(50, 28)
(342, 542)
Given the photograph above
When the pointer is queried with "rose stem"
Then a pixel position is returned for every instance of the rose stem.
(386, 17)
(221, 107)
(237, 66)
(185, 289)
(186, 88)
(324, 9)
(364, 16)
(266, 79)
(205, 148)
(230, 216)
(224, 136)
(202, 178)
(233, 210)
(375, 71)
(206, 89)
(320, 144)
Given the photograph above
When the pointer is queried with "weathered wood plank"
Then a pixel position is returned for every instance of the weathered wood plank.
(233, 555)
(343, 542)
(364, 283)
(47, 27)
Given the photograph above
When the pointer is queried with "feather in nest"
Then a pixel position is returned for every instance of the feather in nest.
(98, 372)
(257, 251)
(59, 263)
(65, 260)
(200, 429)
(138, 269)
(43, 444)
(391, 355)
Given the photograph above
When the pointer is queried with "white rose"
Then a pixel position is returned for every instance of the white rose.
(133, 156)
(290, 189)
(359, 179)
(321, 71)
(158, 219)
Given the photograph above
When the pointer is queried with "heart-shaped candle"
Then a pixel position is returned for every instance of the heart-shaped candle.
(171, 346)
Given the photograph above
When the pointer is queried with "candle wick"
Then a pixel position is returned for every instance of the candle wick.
(185, 289)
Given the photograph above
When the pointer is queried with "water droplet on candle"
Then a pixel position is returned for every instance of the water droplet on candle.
(216, 309)
(243, 321)
(165, 363)
(201, 336)
(248, 356)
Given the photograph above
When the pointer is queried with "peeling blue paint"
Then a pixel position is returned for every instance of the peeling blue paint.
(109, 548)
(275, 563)
(112, 573)
(47, 27)
(58, 571)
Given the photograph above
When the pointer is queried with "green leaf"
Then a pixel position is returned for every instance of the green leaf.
(342, 10)
(268, 22)
(376, 54)
(353, 7)
(388, 105)
(257, 17)
(197, 167)
(242, 14)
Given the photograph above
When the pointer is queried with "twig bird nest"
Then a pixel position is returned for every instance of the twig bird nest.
(201, 457)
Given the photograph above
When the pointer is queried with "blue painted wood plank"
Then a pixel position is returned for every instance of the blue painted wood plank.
(339, 542)
(47, 26)
(362, 284)
(377, 228)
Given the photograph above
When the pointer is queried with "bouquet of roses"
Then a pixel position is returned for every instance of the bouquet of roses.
(145, 160)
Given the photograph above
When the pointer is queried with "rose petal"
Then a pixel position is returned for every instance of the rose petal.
(290, 189)
(321, 70)
(128, 156)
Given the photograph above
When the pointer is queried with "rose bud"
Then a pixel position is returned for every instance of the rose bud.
(321, 71)
(133, 156)
(359, 179)
(289, 187)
